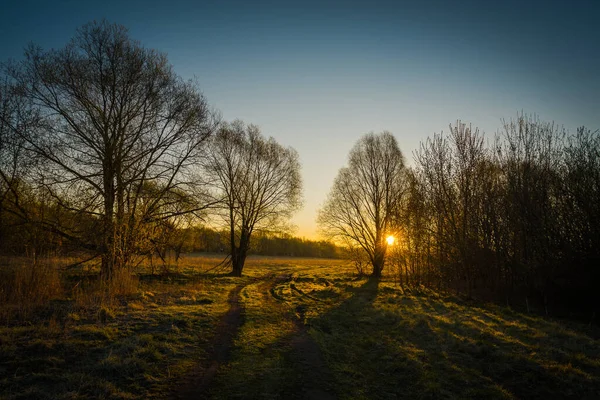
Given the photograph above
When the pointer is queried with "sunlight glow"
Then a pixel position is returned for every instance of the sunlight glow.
(390, 240)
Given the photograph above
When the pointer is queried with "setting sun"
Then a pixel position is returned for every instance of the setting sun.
(390, 240)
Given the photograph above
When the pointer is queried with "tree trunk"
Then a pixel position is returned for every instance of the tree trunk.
(238, 256)
(108, 226)
(378, 261)
(238, 266)
(108, 247)
(238, 262)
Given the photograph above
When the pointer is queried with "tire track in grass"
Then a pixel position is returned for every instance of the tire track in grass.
(302, 353)
(221, 345)
(314, 376)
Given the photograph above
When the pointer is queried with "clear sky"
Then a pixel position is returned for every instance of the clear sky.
(317, 75)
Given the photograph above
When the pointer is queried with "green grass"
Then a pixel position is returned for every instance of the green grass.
(138, 348)
(384, 343)
(375, 341)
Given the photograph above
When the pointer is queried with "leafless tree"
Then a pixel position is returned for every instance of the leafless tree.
(365, 196)
(450, 167)
(112, 117)
(257, 181)
(15, 115)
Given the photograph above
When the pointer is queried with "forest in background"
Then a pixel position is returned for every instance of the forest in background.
(21, 239)
(105, 152)
(514, 217)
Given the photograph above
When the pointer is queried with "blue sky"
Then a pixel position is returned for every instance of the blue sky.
(317, 75)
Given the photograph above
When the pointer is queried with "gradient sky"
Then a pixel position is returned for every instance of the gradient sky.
(318, 75)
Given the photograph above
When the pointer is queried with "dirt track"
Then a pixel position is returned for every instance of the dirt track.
(198, 384)
(304, 352)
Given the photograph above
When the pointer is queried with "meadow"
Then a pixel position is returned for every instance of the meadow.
(290, 328)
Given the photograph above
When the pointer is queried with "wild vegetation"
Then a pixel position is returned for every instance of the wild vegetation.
(446, 279)
(510, 219)
(294, 328)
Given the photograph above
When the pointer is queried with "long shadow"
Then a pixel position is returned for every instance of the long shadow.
(380, 343)
(417, 347)
(198, 385)
(501, 357)
(316, 380)
(289, 368)
(292, 367)
(354, 338)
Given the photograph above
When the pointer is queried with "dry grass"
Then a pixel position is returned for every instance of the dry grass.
(141, 338)
(135, 340)
(26, 284)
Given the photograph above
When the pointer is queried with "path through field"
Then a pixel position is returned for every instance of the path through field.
(294, 329)
(202, 377)
(307, 331)
(303, 356)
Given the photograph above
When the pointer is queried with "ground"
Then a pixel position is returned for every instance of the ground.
(294, 329)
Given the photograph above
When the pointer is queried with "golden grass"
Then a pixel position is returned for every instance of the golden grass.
(377, 339)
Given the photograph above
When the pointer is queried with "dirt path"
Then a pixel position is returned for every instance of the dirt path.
(313, 373)
(304, 354)
(221, 345)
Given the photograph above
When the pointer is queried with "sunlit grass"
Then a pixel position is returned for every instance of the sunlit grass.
(439, 348)
(376, 339)
(137, 348)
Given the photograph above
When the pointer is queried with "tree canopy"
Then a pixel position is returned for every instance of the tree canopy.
(257, 182)
(364, 197)
(115, 131)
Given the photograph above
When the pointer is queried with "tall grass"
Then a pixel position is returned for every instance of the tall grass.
(28, 283)
(94, 292)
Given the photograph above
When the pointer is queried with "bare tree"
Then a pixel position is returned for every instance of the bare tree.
(256, 180)
(364, 197)
(15, 115)
(112, 117)
(451, 170)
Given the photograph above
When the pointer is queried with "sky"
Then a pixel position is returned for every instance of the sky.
(317, 75)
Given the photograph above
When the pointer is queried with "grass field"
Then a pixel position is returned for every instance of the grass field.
(291, 328)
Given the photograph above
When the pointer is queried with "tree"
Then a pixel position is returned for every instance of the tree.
(257, 181)
(15, 115)
(451, 168)
(365, 196)
(111, 118)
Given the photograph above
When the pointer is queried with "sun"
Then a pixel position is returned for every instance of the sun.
(390, 240)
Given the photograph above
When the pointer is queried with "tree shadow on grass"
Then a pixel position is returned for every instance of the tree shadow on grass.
(380, 343)
(396, 346)
(290, 367)
(294, 366)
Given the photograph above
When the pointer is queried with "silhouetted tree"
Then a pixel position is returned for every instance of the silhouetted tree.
(257, 181)
(365, 196)
(451, 169)
(111, 117)
(515, 220)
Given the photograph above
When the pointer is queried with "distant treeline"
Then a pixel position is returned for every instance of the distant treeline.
(19, 238)
(515, 218)
(205, 239)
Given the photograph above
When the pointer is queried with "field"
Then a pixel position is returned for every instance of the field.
(291, 328)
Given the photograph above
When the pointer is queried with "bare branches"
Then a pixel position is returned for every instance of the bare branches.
(256, 180)
(365, 196)
(112, 119)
